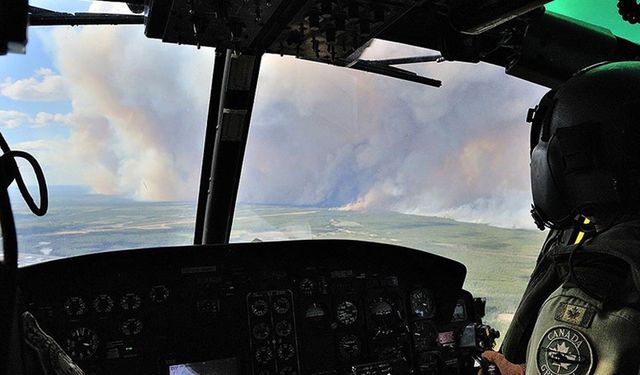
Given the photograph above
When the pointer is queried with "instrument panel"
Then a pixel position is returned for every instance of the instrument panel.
(332, 31)
(301, 307)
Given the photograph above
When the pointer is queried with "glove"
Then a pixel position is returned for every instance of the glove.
(504, 366)
(51, 358)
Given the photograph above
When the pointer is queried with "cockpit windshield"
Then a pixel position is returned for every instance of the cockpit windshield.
(338, 154)
(117, 122)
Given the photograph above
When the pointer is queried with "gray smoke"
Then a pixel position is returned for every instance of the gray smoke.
(334, 137)
(319, 136)
(139, 109)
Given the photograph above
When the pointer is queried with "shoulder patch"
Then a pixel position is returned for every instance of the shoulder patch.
(564, 351)
(574, 314)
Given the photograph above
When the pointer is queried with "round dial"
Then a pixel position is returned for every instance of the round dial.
(306, 286)
(381, 308)
(347, 313)
(422, 304)
(82, 343)
(74, 306)
(159, 294)
(264, 354)
(130, 301)
(286, 351)
(103, 304)
(261, 331)
(260, 307)
(283, 328)
(315, 311)
(349, 347)
(281, 305)
(131, 327)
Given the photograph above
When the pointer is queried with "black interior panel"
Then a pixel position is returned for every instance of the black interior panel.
(301, 307)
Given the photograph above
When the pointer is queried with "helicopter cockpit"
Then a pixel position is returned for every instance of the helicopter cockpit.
(241, 287)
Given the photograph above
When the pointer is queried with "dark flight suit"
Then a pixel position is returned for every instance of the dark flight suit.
(580, 313)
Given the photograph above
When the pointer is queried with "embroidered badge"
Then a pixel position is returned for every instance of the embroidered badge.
(574, 314)
(564, 351)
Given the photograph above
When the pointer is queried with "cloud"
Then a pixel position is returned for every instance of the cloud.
(13, 119)
(16, 119)
(44, 86)
(58, 168)
(45, 118)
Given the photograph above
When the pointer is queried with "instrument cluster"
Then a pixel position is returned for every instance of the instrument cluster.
(307, 307)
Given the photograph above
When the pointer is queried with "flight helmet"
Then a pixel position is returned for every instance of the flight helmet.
(585, 146)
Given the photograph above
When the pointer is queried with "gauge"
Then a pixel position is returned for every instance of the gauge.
(103, 304)
(261, 331)
(264, 354)
(130, 301)
(315, 311)
(306, 286)
(422, 304)
(347, 313)
(74, 306)
(286, 351)
(283, 328)
(131, 327)
(287, 370)
(82, 343)
(424, 334)
(349, 347)
(381, 308)
(459, 313)
(282, 305)
(159, 294)
(260, 307)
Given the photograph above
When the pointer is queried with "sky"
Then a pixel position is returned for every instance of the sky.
(107, 108)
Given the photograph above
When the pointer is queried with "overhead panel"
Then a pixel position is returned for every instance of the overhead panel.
(327, 30)
(337, 30)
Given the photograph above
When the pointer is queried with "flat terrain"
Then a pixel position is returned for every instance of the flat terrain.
(498, 260)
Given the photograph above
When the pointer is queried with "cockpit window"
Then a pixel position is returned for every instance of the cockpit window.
(117, 122)
(333, 153)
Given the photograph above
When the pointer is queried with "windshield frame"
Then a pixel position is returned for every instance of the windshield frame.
(233, 92)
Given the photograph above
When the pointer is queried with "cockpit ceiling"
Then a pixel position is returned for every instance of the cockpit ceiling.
(538, 46)
(326, 30)
(333, 31)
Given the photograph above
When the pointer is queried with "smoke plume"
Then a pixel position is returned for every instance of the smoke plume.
(139, 109)
(320, 135)
(338, 138)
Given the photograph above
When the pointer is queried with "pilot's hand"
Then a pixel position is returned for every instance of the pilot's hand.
(504, 366)
(50, 358)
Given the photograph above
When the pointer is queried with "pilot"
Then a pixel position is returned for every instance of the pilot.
(580, 313)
